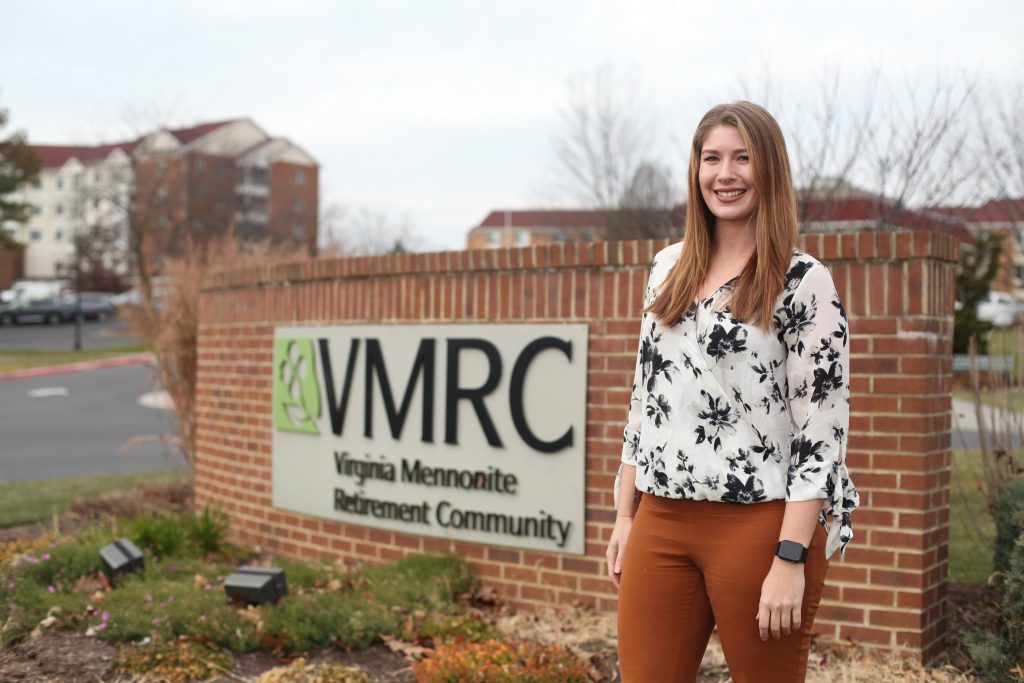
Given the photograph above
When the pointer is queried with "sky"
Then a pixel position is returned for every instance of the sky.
(439, 112)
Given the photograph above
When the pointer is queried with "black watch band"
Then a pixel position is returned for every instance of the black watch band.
(791, 551)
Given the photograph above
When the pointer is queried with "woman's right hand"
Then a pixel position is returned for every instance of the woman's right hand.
(617, 548)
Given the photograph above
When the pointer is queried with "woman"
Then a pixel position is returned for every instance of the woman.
(733, 489)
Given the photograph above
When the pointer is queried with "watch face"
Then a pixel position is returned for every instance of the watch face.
(791, 551)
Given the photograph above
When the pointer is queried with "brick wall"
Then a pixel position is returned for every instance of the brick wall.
(898, 289)
(12, 265)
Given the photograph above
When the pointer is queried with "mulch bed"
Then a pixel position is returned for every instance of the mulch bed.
(68, 656)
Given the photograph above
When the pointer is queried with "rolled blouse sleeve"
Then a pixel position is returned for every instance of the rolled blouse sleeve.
(814, 329)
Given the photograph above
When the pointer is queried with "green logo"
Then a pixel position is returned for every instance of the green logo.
(296, 391)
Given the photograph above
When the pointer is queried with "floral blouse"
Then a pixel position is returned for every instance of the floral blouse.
(721, 410)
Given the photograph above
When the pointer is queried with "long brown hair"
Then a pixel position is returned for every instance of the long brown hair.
(762, 279)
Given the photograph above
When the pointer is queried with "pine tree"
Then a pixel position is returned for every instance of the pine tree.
(18, 166)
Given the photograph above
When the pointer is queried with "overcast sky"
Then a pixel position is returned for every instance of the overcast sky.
(441, 111)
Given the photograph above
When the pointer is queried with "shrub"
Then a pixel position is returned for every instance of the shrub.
(209, 529)
(427, 582)
(496, 661)
(455, 628)
(175, 661)
(348, 620)
(1009, 524)
(995, 653)
(163, 535)
(171, 606)
(301, 672)
(1012, 606)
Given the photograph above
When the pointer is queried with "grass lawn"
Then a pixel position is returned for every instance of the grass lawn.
(971, 529)
(30, 501)
(1012, 398)
(22, 359)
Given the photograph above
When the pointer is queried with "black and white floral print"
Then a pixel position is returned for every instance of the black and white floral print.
(722, 411)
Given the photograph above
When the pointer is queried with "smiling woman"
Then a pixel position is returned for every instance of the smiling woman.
(741, 396)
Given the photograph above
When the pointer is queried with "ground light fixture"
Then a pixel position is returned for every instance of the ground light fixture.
(121, 557)
(256, 585)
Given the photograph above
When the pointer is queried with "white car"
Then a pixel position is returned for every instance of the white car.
(998, 308)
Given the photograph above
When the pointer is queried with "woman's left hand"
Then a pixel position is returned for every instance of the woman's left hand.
(782, 595)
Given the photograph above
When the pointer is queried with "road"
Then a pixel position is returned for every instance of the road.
(61, 337)
(84, 423)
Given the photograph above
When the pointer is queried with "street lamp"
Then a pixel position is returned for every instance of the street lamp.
(78, 292)
(75, 252)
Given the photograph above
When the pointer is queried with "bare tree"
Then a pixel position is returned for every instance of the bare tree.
(644, 209)
(607, 159)
(918, 152)
(362, 231)
(999, 120)
(903, 148)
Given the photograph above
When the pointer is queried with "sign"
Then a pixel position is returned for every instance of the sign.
(470, 432)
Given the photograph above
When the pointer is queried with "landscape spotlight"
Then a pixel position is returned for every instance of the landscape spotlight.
(255, 585)
(121, 557)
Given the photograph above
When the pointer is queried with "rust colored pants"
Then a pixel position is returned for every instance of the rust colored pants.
(692, 564)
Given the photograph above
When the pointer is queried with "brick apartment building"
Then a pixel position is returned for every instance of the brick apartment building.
(1004, 217)
(197, 181)
(843, 208)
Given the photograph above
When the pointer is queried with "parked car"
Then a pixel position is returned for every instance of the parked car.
(95, 305)
(52, 311)
(32, 289)
(998, 308)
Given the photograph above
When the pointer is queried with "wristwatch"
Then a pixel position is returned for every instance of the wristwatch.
(791, 551)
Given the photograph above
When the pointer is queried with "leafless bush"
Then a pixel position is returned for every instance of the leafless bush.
(998, 399)
(168, 322)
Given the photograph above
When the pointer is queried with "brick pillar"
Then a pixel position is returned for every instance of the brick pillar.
(899, 290)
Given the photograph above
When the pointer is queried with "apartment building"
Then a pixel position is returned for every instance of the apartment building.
(1003, 217)
(172, 184)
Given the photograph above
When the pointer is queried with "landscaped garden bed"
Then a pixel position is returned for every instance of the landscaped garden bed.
(420, 619)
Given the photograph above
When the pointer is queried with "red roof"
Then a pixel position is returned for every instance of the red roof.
(544, 218)
(872, 210)
(55, 156)
(187, 135)
(996, 211)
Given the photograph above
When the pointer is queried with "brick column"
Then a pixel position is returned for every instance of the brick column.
(899, 290)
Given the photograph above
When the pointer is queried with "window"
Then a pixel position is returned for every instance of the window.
(60, 184)
(34, 210)
(298, 205)
(58, 236)
(298, 232)
(60, 209)
(494, 238)
(96, 203)
(299, 177)
(161, 194)
(198, 165)
(35, 235)
(97, 177)
(36, 183)
(522, 238)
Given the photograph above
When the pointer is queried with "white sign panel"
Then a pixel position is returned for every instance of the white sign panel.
(471, 432)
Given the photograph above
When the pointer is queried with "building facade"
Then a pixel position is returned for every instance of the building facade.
(167, 187)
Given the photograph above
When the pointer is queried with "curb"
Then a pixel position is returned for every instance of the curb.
(134, 359)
